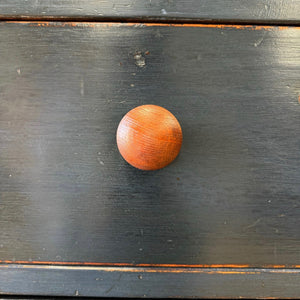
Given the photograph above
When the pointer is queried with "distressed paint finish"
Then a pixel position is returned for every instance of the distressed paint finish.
(243, 11)
(149, 282)
(231, 199)
(109, 264)
(145, 24)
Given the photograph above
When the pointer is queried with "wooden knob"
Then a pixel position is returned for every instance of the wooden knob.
(149, 137)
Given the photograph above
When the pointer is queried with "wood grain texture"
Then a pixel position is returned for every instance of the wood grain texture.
(254, 11)
(149, 137)
(149, 282)
(231, 198)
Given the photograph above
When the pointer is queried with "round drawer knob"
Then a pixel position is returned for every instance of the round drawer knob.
(149, 137)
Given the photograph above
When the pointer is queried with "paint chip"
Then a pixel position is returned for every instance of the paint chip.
(139, 59)
(82, 87)
(101, 162)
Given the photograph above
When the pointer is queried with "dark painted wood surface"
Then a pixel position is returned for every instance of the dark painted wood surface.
(149, 282)
(231, 198)
(274, 11)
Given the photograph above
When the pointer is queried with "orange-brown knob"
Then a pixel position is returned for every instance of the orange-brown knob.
(149, 137)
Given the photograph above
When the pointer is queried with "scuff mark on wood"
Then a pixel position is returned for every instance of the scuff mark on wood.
(108, 264)
(141, 25)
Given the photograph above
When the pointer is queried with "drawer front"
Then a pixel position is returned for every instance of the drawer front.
(231, 199)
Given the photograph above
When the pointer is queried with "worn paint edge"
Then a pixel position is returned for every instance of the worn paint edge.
(108, 264)
(227, 271)
(142, 25)
(138, 282)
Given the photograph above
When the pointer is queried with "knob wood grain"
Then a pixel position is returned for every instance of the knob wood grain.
(149, 137)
